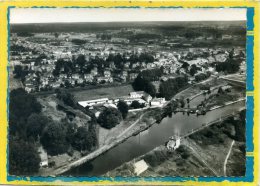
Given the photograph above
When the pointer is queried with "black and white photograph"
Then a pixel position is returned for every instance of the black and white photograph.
(147, 92)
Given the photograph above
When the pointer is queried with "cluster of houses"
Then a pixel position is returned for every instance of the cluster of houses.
(40, 71)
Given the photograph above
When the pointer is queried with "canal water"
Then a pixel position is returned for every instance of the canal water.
(156, 135)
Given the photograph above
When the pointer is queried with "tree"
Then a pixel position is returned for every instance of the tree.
(81, 61)
(135, 104)
(240, 127)
(185, 65)
(139, 83)
(182, 103)
(230, 65)
(123, 108)
(35, 125)
(78, 41)
(170, 87)
(109, 118)
(201, 76)
(19, 72)
(56, 35)
(84, 139)
(71, 131)
(54, 139)
(21, 106)
(150, 89)
(143, 81)
(23, 157)
(193, 70)
(66, 97)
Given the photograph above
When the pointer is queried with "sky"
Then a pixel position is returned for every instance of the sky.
(52, 15)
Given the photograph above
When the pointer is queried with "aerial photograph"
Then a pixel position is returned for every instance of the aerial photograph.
(127, 92)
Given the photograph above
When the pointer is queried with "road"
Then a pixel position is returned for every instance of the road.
(130, 127)
(225, 162)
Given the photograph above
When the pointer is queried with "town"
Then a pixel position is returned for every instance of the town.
(92, 90)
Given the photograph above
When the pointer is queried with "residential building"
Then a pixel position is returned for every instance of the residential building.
(158, 101)
(138, 94)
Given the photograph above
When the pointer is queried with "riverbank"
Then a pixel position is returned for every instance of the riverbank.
(201, 154)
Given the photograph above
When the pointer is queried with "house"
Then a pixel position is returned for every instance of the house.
(124, 74)
(107, 73)
(110, 105)
(72, 81)
(63, 76)
(129, 101)
(132, 76)
(32, 65)
(93, 102)
(226, 37)
(101, 79)
(138, 94)
(147, 98)
(43, 156)
(127, 64)
(143, 64)
(173, 144)
(88, 77)
(140, 167)
(211, 59)
(94, 71)
(80, 80)
(221, 57)
(134, 65)
(226, 88)
(75, 76)
(29, 88)
(112, 65)
(55, 85)
(122, 78)
(158, 101)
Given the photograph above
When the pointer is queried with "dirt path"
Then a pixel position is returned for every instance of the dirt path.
(126, 130)
(225, 162)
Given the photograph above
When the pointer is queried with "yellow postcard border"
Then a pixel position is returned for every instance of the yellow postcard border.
(106, 4)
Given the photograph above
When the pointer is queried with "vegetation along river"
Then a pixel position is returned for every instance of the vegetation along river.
(156, 135)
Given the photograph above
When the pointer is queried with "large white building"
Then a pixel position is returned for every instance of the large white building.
(158, 101)
(93, 102)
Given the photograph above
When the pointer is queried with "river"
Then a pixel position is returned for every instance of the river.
(156, 135)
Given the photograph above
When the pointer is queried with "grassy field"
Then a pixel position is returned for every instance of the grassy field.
(107, 92)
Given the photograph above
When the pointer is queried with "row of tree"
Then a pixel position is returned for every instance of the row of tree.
(170, 87)
(228, 67)
(58, 137)
(24, 112)
(86, 66)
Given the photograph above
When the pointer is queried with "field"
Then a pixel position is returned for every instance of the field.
(107, 92)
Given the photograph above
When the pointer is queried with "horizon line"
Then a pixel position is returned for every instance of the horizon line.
(126, 22)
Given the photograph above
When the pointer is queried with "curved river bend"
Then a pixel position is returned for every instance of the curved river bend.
(156, 135)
